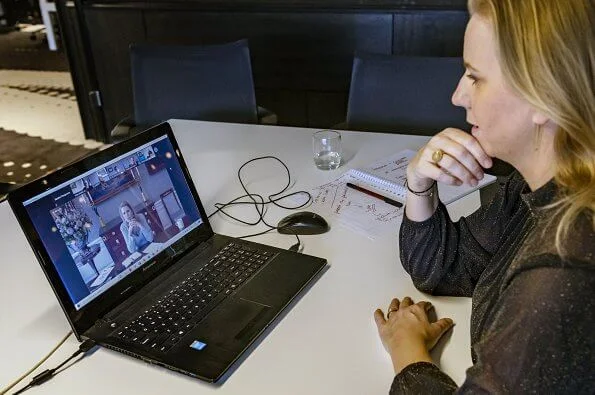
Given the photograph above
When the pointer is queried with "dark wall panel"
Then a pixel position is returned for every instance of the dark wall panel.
(290, 106)
(296, 57)
(302, 52)
(82, 78)
(289, 51)
(326, 109)
(429, 33)
(111, 34)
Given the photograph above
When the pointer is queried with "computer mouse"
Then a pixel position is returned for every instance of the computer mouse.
(303, 223)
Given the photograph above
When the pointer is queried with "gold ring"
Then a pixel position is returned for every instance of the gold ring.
(390, 311)
(437, 155)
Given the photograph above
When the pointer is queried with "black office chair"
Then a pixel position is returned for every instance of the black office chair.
(209, 83)
(409, 95)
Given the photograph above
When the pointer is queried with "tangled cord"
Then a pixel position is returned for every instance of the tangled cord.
(259, 202)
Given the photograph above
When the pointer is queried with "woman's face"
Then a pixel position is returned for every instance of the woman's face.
(127, 213)
(502, 121)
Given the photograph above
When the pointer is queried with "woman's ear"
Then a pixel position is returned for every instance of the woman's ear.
(539, 118)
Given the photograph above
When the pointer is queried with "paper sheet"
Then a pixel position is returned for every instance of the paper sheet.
(366, 214)
(131, 259)
(387, 177)
(153, 248)
(102, 276)
(362, 213)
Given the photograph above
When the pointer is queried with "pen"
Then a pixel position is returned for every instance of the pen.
(376, 195)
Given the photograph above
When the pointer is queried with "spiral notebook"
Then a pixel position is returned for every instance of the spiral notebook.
(387, 177)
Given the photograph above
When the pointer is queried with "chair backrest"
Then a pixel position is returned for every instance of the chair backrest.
(209, 83)
(409, 95)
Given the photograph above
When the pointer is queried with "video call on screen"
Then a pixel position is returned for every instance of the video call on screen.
(103, 225)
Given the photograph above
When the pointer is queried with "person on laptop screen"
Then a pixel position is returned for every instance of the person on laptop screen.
(135, 229)
(527, 259)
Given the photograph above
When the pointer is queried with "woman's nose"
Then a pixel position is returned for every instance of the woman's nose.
(460, 97)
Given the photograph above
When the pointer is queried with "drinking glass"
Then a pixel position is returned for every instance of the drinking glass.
(326, 145)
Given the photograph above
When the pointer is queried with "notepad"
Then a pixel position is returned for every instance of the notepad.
(387, 177)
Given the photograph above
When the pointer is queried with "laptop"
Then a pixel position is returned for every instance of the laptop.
(126, 245)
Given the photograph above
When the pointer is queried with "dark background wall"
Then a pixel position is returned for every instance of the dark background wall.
(302, 51)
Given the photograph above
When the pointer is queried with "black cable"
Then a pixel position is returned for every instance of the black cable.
(49, 373)
(259, 202)
(271, 199)
(296, 246)
(256, 234)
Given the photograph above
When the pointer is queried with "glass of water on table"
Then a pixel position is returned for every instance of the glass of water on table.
(326, 145)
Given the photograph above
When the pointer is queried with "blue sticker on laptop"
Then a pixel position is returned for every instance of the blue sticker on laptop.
(198, 345)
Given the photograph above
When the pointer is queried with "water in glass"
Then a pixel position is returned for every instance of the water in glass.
(327, 149)
(327, 160)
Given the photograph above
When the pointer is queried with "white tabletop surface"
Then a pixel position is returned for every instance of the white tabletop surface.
(326, 344)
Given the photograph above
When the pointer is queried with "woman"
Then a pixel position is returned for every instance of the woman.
(134, 228)
(528, 258)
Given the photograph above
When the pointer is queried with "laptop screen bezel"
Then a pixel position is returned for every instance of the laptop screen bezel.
(84, 318)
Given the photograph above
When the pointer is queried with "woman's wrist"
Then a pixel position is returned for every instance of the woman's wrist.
(405, 357)
(429, 191)
(416, 183)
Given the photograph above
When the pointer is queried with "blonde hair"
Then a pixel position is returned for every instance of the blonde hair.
(547, 54)
(122, 205)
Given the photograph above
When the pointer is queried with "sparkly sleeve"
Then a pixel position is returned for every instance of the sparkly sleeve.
(540, 339)
(445, 257)
(422, 378)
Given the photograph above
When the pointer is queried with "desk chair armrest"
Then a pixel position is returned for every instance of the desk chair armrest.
(123, 129)
(6, 188)
(340, 126)
(266, 116)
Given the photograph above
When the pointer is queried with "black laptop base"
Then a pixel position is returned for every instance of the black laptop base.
(208, 342)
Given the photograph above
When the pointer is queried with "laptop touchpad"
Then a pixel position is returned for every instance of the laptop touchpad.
(233, 323)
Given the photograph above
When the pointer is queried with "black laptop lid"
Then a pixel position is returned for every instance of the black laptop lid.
(106, 225)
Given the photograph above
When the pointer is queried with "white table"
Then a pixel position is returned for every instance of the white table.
(326, 344)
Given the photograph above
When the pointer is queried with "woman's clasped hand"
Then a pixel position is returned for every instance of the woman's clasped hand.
(461, 160)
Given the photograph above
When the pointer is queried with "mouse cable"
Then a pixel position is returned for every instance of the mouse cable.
(259, 206)
(47, 374)
(38, 364)
(260, 203)
(297, 247)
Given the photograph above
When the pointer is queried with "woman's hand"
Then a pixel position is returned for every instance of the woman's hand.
(406, 332)
(462, 161)
(133, 228)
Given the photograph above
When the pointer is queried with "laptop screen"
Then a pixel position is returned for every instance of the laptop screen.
(104, 224)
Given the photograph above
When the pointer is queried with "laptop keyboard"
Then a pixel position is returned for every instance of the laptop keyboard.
(177, 312)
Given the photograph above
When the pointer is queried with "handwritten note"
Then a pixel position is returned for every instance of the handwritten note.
(393, 168)
(355, 210)
(387, 178)
(369, 215)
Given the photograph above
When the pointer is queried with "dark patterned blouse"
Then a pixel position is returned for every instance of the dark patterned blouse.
(533, 312)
